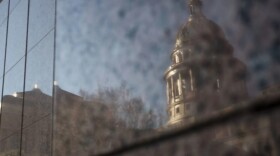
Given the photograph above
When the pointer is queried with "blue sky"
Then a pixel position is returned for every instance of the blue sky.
(104, 43)
(114, 43)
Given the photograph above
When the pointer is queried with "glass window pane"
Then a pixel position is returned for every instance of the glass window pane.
(3, 12)
(37, 123)
(111, 58)
(40, 27)
(38, 99)
(17, 35)
(9, 145)
(118, 79)
(15, 4)
(2, 54)
(14, 80)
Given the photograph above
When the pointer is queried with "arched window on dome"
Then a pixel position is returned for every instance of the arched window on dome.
(218, 85)
(169, 90)
(179, 82)
(177, 57)
(178, 110)
(175, 87)
(175, 92)
(187, 84)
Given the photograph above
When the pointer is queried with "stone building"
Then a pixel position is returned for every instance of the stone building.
(37, 125)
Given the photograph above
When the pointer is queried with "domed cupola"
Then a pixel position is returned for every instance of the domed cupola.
(201, 37)
(203, 69)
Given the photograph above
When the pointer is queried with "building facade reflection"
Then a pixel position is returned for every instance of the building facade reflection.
(204, 75)
(204, 79)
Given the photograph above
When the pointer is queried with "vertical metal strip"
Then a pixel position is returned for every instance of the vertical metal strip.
(24, 78)
(5, 57)
(53, 91)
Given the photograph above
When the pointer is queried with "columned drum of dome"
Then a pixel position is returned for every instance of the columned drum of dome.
(204, 76)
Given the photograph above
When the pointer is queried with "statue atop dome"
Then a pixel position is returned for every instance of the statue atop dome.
(195, 7)
(195, 2)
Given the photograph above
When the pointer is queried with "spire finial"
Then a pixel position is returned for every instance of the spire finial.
(195, 6)
(195, 2)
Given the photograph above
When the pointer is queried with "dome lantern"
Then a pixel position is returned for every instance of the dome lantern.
(195, 7)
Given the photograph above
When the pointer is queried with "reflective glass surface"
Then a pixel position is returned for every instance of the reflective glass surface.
(11, 116)
(186, 78)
